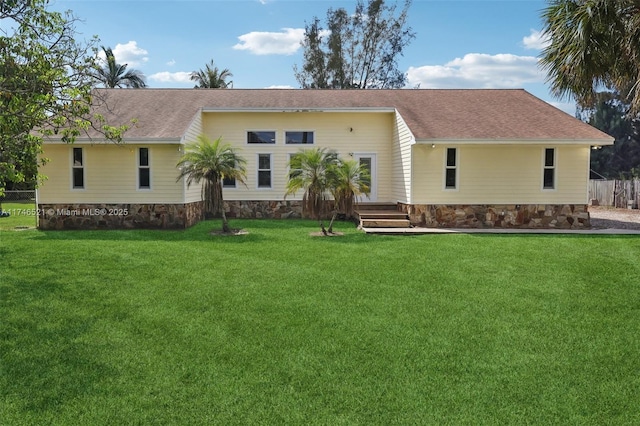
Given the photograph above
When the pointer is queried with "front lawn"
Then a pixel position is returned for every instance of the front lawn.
(277, 327)
(22, 215)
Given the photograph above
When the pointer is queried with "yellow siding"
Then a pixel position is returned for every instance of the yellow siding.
(344, 132)
(401, 165)
(193, 192)
(194, 129)
(111, 175)
(500, 174)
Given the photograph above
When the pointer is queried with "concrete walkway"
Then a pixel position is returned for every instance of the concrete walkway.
(419, 231)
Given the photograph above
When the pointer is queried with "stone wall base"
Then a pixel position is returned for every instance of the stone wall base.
(263, 209)
(527, 216)
(119, 216)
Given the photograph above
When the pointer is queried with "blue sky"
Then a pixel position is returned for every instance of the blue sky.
(458, 44)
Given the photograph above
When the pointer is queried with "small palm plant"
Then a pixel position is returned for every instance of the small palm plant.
(212, 162)
(312, 170)
(350, 180)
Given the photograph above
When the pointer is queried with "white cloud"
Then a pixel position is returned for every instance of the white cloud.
(171, 62)
(129, 53)
(478, 70)
(276, 86)
(286, 42)
(171, 77)
(537, 40)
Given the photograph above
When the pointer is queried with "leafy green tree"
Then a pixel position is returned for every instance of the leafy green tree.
(212, 162)
(45, 85)
(356, 51)
(113, 75)
(312, 171)
(594, 44)
(622, 159)
(212, 78)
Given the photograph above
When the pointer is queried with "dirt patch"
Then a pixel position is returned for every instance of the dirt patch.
(332, 234)
(220, 232)
(614, 218)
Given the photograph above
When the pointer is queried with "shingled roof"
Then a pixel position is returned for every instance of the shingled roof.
(431, 114)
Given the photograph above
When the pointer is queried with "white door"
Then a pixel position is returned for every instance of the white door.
(368, 161)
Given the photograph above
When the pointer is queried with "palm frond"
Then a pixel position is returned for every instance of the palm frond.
(113, 75)
(210, 162)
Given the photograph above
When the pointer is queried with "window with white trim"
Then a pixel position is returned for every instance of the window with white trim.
(77, 169)
(228, 182)
(144, 169)
(293, 137)
(264, 170)
(549, 170)
(261, 137)
(451, 169)
(293, 172)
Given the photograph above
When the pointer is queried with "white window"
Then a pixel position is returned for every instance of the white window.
(77, 169)
(228, 182)
(451, 169)
(264, 170)
(305, 138)
(292, 172)
(144, 169)
(261, 137)
(549, 169)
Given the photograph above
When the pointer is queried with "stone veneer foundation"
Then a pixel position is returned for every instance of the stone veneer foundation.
(119, 216)
(263, 209)
(155, 216)
(528, 216)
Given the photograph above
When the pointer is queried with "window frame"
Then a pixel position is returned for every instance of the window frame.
(553, 168)
(313, 137)
(229, 186)
(140, 167)
(455, 167)
(275, 137)
(270, 170)
(83, 161)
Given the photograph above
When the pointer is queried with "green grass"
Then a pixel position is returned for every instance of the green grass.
(22, 215)
(277, 327)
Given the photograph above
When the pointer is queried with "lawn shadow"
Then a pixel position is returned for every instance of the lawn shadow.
(256, 230)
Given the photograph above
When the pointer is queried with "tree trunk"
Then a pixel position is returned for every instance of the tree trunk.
(225, 224)
(324, 231)
(330, 230)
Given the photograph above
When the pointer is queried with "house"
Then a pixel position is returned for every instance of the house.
(448, 158)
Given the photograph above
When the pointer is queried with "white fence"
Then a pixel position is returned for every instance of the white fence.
(618, 193)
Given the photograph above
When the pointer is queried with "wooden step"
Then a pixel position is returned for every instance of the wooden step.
(381, 214)
(376, 206)
(384, 223)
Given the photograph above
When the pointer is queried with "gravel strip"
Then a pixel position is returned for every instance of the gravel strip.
(613, 218)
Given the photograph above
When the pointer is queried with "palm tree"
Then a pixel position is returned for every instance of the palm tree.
(312, 170)
(593, 44)
(212, 78)
(113, 75)
(212, 162)
(350, 181)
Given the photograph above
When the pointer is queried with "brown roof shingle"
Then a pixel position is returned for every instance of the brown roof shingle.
(480, 114)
